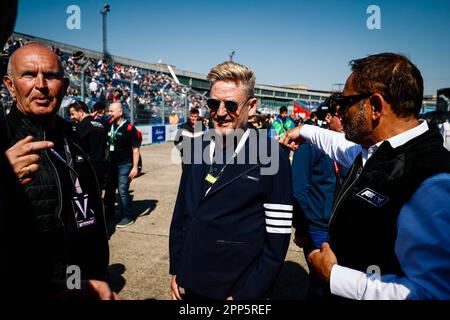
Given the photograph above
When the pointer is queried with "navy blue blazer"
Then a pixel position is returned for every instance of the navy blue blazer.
(232, 241)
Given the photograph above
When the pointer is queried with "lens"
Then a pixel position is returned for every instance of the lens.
(213, 104)
(231, 106)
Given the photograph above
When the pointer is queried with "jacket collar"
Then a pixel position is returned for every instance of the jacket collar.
(19, 120)
(232, 172)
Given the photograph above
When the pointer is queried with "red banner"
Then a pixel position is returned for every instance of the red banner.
(299, 111)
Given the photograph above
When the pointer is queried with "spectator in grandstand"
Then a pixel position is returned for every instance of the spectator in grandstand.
(392, 216)
(124, 155)
(281, 124)
(55, 174)
(173, 118)
(316, 177)
(93, 87)
(231, 224)
(93, 135)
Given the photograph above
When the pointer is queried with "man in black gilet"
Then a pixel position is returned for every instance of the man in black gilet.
(390, 221)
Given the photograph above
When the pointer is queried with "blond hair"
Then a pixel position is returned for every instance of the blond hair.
(235, 72)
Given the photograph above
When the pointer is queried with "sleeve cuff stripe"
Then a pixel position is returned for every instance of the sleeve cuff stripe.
(278, 230)
(272, 222)
(275, 206)
(273, 214)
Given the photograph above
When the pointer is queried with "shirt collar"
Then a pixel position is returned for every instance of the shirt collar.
(397, 140)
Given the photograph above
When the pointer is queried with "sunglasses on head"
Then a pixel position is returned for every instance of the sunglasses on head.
(231, 106)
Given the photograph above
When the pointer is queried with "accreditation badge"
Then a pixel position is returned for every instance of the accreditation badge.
(84, 215)
(210, 178)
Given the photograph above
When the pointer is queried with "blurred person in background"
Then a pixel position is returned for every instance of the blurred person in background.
(94, 137)
(123, 146)
(281, 124)
(316, 178)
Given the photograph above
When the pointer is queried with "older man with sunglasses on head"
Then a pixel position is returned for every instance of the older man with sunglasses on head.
(389, 225)
(231, 224)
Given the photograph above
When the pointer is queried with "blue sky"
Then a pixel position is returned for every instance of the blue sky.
(286, 42)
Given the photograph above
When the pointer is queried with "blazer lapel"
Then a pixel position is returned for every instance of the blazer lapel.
(233, 171)
(231, 174)
(197, 184)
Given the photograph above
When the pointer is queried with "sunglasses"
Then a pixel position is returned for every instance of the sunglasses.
(231, 106)
(346, 102)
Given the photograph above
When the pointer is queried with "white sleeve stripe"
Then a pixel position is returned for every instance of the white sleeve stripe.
(273, 214)
(278, 230)
(272, 222)
(275, 206)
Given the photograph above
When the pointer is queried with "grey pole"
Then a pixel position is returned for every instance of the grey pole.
(186, 106)
(104, 12)
(83, 94)
(132, 101)
(83, 82)
(162, 108)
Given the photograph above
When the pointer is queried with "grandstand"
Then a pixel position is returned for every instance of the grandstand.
(156, 94)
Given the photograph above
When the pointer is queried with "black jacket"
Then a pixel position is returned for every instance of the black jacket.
(17, 235)
(61, 241)
(94, 137)
(363, 226)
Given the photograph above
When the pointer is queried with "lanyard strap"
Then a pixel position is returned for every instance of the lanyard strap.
(113, 132)
(69, 164)
(212, 146)
(337, 168)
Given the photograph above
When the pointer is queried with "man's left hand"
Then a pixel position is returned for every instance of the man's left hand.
(133, 173)
(323, 261)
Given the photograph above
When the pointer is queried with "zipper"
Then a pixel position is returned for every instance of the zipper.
(358, 174)
(58, 183)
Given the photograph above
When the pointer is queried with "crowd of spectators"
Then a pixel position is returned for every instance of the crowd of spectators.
(153, 90)
(111, 82)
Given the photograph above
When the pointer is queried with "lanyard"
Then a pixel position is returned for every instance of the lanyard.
(337, 168)
(211, 178)
(113, 132)
(69, 164)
